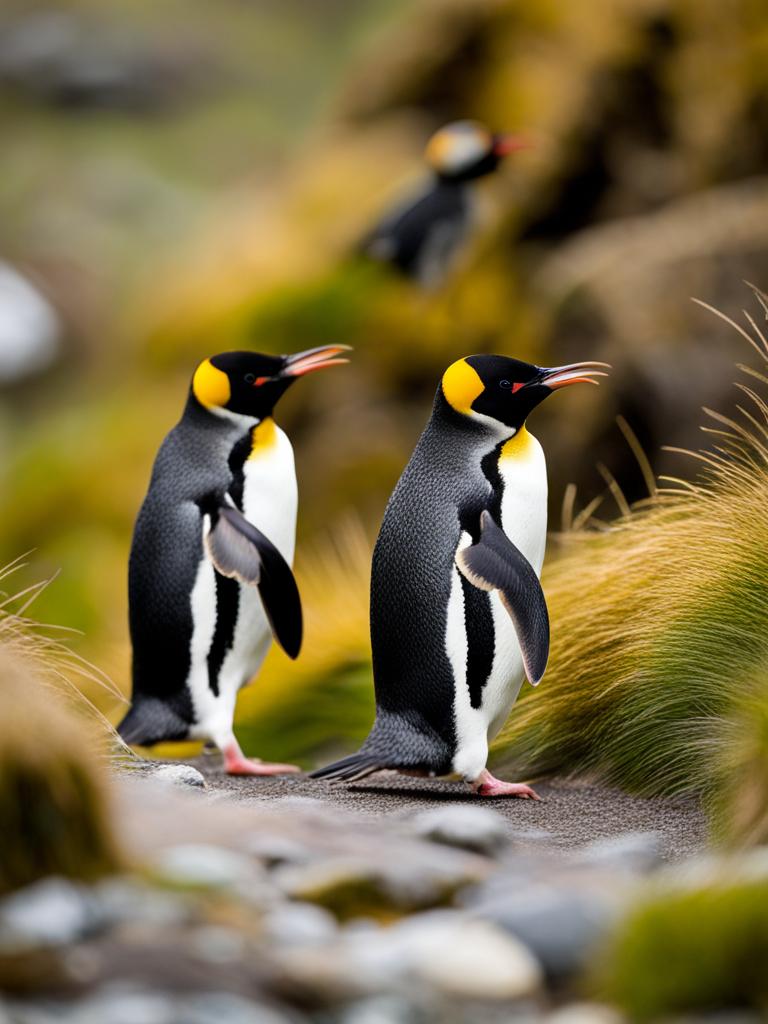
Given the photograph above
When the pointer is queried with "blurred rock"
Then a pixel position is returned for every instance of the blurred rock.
(274, 850)
(585, 1013)
(29, 327)
(380, 1010)
(352, 886)
(198, 865)
(471, 828)
(560, 923)
(465, 958)
(53, 912)
(301, 924)
(635, 852)
(60, 58)
(178, 775)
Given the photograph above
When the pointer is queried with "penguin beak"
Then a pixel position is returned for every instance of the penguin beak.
(504, 144)
(574, 373)
(299, 363)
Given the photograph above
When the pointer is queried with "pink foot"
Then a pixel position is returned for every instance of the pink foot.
(487, 785)
(236, 763)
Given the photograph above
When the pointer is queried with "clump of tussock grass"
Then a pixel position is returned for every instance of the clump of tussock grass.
(660, 635)
(53, 804)
(691, 950)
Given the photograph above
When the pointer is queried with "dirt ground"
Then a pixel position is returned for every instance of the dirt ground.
(569, 814)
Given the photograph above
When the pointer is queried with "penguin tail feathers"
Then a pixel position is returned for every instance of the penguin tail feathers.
(349, 769)
(151, 721)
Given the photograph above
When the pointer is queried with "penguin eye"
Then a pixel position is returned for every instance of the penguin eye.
(250, 378)
(505, 384)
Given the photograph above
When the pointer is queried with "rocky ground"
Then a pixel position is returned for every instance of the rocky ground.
(270, 901)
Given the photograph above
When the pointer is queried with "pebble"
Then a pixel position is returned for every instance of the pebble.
(300, 924)
(466, 958)
(50, 913)
(352, 887)
(274, 850)
(471, 828)
(585, 1013)
(559, 924)
(181, 775)
(635, 852)
(197, 865)
(381, 1010)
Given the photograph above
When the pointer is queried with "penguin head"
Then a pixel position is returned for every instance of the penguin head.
(500, 392)
(250, 384)
(463, 150)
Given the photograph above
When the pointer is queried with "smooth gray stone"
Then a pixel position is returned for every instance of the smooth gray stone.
(300, 924)
(560, 925)
(53, 912)
(470, 828)
(633, 851)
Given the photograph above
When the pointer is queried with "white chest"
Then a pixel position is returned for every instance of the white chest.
(523, 470)
(270, 496)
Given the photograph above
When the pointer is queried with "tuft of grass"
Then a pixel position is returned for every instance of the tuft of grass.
(660, 646)
(691, 951)
(53, 804)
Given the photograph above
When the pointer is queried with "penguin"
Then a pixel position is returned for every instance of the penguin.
(424, 238)
(458, 616)
(210, 580)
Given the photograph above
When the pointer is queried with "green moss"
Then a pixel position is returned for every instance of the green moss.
(691, 952)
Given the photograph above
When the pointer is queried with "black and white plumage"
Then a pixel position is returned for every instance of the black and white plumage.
(424, 237)
(458, 617)
(210, 580)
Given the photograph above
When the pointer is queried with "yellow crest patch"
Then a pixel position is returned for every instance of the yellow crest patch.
(211, 385)
(461, 386)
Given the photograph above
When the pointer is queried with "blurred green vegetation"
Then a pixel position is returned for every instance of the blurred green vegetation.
(700, 949)
(207, 194)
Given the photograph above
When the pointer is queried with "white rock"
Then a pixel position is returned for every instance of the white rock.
(181, 775)
(467, 958)
(471, 828)
(301, 924)
(53, 912)
(585, 1013)
(29, 328)
(630, 851)
(198, 864)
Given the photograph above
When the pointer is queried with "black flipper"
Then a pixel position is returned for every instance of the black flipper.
(494, 563)
(239, 550)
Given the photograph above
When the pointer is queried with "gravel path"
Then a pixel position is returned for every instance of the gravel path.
(569, 814)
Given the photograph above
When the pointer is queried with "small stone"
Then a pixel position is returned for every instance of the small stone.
(124, 1005)
(585, 1013)
(274, 850)
(197, 865)
(300, 924)
(467, 958)
(50, 913)
(218, 945)
(380, 1010)
(225, 1008)
(471, 828)
(354, 887)
(179, 775)
(633, 851)
(560, 925)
